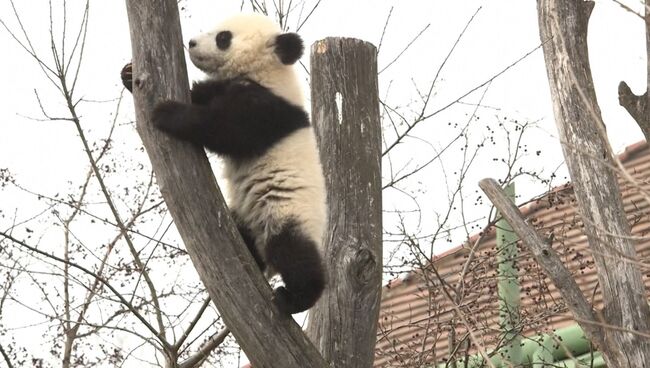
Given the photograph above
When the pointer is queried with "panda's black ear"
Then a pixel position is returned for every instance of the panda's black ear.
(289, 47)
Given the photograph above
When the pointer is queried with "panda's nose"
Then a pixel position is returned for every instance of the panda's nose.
(192, 43)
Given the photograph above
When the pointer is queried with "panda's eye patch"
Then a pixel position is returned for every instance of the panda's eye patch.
(223, 39)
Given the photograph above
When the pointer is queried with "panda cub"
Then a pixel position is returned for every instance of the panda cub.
(250, 111)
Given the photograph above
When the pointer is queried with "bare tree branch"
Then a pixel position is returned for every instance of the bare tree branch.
(90, 273)
(189, 328)
(408, 45)
(199, 357)
(546, 258)
(6, 357)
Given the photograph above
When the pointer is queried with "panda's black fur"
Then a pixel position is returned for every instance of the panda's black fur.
(235, 117)
(249, 111)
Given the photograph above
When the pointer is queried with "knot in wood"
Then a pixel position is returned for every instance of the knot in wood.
(363, 267)
(140, 81)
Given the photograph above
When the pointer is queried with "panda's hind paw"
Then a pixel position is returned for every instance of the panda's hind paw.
(280, 296)
(287, 302)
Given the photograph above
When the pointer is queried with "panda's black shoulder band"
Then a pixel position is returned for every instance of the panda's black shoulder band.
(241, 118)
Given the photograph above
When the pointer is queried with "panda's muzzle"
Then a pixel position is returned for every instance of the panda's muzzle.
(203, 62)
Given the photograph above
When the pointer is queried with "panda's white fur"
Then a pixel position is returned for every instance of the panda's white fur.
(286, 182)
(298, 157)
(251, 54)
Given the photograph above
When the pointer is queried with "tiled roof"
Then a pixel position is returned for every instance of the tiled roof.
(416, 315)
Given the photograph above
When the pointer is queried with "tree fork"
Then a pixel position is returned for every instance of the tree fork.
(190, 190)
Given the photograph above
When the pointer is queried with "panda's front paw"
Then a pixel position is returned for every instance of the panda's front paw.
(167, 116)
(127, 76)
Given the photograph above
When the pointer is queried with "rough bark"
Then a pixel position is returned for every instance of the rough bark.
(190, 190)
(563, 29)
(639, 106)
(548, 260)
(345, 111)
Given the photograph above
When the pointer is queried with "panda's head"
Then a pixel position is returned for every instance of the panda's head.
(249, 45)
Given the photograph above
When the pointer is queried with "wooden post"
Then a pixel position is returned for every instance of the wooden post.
(345, 112)
(563, 29)
(183, 172)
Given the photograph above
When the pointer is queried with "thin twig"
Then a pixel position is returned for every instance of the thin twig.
(6, 357)
(94, 275)
(383, 31)
(205, 350)
(425, 104)
(189, 328)
(308, 15)
(408, 45)
(627, 8)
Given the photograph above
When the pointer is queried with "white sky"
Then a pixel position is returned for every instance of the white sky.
(502, 32)
(48, 157)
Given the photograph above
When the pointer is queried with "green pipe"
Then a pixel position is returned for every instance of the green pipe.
(584, 361)
(571, 338)
(550, 348)
(475, 361)
(508, 287)
(588, 360)
(553, 349)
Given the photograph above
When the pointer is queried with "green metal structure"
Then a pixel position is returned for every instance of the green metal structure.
(508, 287)
(564, 348)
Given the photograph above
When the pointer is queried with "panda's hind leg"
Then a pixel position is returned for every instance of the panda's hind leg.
(296, 258)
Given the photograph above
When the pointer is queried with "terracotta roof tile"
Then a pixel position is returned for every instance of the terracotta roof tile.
(416, 316)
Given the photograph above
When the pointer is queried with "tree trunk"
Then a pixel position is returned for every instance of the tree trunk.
(183, 172)
(563, 29)
(345, 111)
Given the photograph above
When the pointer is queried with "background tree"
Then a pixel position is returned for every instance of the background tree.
(620, 329)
